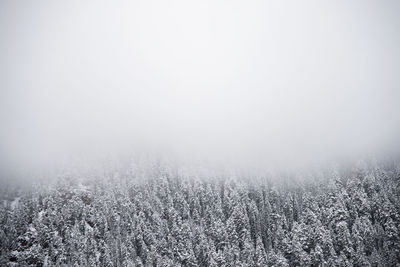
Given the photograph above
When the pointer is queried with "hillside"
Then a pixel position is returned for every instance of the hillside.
(172, 220)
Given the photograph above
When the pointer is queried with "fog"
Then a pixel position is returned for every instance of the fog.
(274, 83)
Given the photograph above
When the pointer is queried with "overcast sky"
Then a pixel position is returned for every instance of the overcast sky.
(249, 80)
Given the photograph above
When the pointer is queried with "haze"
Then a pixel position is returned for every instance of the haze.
(267, 81)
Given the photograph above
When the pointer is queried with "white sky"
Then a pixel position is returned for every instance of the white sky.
(267, 80)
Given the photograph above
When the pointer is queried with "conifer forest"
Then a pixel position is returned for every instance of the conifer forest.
(337, 218)
(200, 133)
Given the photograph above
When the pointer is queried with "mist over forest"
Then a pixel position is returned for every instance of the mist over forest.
(199, 133)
